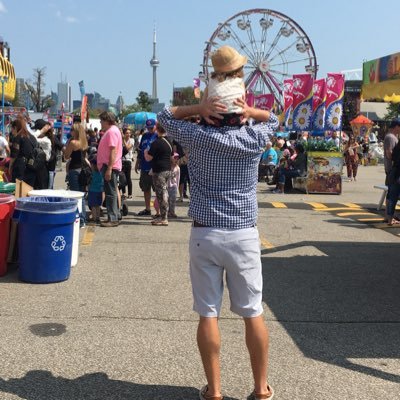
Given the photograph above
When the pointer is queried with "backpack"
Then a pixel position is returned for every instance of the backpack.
(37, 160)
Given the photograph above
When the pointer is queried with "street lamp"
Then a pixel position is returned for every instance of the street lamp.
(3, 80)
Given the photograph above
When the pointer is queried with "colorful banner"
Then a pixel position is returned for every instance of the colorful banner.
(84, 108)
(319, 98)
(302, 102)
(381, 78)
(250, 99)
(288, 103)
(264, 101)
(334, 102)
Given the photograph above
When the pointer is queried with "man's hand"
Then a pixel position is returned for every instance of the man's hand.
(107, 175)
(210, 107)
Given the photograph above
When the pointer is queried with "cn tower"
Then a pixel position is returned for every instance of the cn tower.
(154, 63)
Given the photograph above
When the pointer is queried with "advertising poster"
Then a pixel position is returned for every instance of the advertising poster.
(324, 172)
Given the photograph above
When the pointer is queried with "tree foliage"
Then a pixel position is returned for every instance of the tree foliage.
(393, 112)
(144, 101)
(186, 97)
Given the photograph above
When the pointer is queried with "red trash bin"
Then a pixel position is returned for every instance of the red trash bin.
(7, 204)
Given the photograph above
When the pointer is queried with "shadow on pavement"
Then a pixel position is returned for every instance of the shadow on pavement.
(43, 385)
(340, 305)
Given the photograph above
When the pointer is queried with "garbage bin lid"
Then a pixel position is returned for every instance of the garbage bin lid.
(47, 205)
(6, 198)
(74, 194)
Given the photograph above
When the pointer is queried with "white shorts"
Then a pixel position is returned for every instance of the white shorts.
(237, 252)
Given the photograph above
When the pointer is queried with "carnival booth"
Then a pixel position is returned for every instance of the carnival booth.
(316, 106)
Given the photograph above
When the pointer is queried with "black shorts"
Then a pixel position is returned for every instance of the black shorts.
(145, 181)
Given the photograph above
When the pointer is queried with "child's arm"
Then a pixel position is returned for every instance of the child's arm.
(178, 174)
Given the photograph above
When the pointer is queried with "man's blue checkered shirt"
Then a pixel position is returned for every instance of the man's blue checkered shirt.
(223, 169)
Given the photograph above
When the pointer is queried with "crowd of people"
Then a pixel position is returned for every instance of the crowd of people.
(99, 163)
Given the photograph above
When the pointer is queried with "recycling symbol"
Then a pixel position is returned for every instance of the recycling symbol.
(58, 243)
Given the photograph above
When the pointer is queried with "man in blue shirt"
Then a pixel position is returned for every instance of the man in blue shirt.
(223, 169)
(145, 181)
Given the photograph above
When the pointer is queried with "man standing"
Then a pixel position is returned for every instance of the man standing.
(109, 162)
(389, 143)
(223, 169)
(144, 166)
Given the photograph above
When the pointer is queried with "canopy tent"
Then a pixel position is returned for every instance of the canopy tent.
(138, 119)
(381, 79)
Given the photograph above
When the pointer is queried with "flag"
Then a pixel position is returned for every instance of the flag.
(319, 98)
(288, 103)
(334, 102)
(302, 102)
(264, 101)
(84, 108)
(196, 87)
(82, 88)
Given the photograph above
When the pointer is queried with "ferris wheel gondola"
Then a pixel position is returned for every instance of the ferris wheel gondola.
(275, 45)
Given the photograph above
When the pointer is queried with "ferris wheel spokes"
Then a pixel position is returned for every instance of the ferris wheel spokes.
(275, 45)
(282, 51)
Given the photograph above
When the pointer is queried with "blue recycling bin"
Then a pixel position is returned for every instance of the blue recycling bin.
(45, 233)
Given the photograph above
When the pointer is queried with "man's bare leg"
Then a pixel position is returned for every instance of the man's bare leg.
(257, 341)
(209, 342)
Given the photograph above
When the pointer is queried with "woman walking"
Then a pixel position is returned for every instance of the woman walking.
(351, 157)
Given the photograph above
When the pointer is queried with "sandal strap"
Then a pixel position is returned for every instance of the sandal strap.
(264, 396)
(208, 397)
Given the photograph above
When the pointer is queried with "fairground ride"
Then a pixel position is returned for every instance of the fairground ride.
(275, 45)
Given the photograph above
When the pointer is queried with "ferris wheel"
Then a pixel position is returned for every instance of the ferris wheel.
(275, 45)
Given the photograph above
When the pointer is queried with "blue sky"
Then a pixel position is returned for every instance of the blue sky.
(108, 44)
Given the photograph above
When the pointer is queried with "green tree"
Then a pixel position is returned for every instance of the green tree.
(130, 109)
(393, 112)
(143, 101)
(186, 97)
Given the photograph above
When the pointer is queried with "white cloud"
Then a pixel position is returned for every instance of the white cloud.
(71, 20)
(2, 8)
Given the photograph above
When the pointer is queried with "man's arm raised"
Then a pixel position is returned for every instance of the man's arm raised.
(208, 107)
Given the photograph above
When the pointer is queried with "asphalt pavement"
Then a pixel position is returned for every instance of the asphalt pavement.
(122, 327)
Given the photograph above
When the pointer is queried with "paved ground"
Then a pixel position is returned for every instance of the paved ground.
(122, 327)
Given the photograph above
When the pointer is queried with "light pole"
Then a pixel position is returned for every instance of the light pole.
(3, 80)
